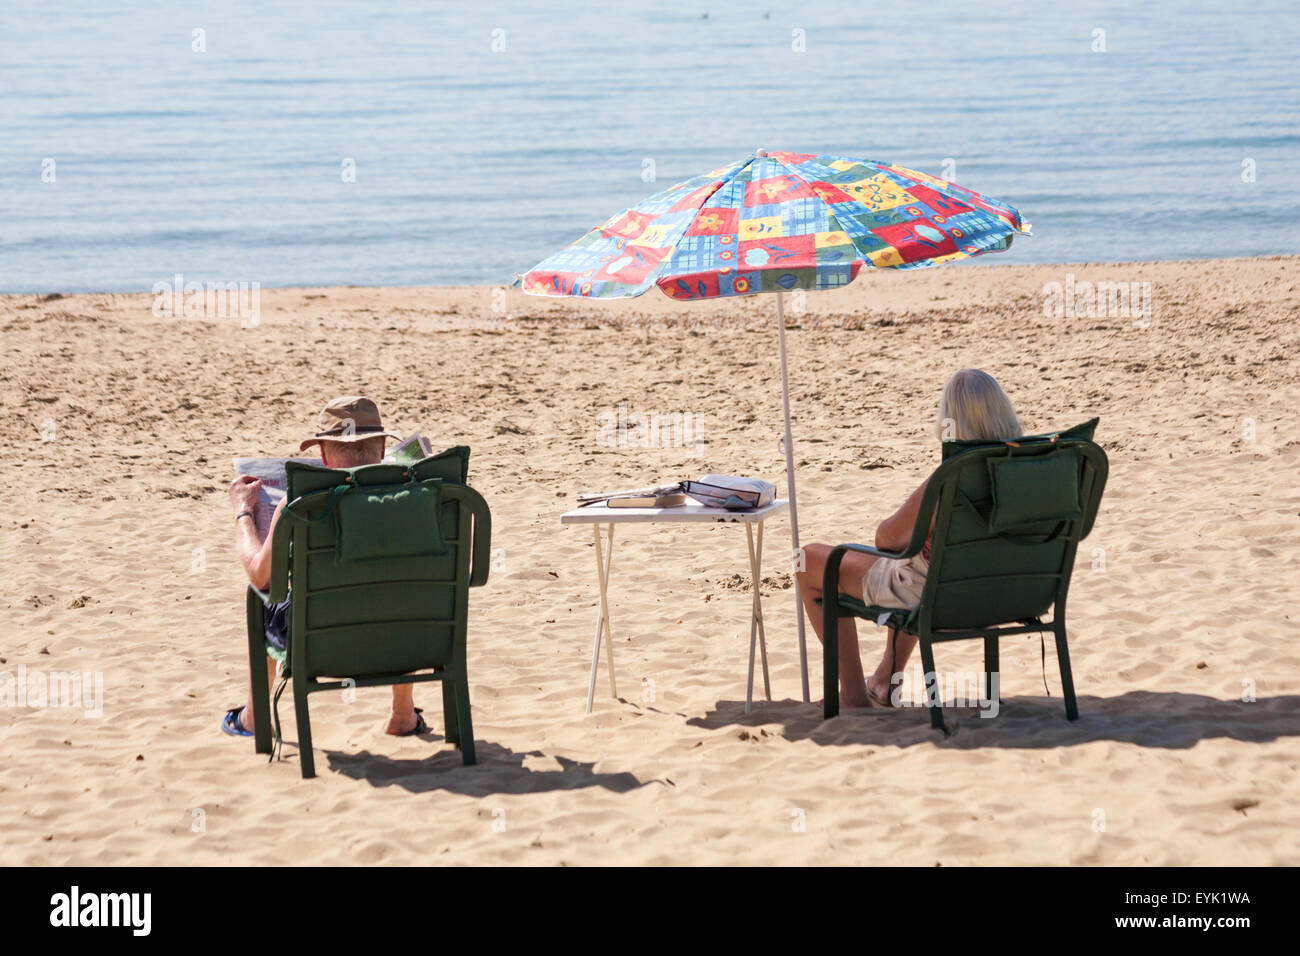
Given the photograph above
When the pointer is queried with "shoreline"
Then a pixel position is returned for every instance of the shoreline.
(888, 296)
(996, 262)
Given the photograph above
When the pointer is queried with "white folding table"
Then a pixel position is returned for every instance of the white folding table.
(601, 516)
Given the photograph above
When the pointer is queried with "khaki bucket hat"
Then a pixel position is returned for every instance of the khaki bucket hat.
(348, 419)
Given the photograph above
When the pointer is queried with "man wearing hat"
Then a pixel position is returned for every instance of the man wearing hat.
(349, 434)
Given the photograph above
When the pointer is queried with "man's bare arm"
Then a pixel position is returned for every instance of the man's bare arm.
(254, 551)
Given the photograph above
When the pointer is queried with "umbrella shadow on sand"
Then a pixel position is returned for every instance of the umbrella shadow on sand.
(499, 770)
(1162, 719)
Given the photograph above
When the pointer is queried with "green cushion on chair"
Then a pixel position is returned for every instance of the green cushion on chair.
(1035, 489)
(398, 524)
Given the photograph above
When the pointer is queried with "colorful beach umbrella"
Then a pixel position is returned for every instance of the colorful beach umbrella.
(774, 222)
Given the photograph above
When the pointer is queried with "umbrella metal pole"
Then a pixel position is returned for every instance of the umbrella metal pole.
(789, 478)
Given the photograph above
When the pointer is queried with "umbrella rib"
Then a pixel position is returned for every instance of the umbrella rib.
(657, 274)
(861, 259)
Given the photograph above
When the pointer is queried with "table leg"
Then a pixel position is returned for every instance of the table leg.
(756, 630)
(758, 612)
(603, 558)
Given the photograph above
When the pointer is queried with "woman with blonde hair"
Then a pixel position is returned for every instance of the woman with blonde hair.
(972, 405)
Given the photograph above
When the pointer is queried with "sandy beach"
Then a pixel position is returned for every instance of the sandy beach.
(120, 426)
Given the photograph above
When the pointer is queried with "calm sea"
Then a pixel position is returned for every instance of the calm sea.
(421, 143)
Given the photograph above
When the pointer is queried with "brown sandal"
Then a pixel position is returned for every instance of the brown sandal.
(877, 700)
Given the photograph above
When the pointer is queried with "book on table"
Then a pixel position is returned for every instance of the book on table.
(659, 496)
(645, 501)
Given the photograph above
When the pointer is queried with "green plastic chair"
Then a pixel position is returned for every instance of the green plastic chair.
(379, 560)
(1008, 518)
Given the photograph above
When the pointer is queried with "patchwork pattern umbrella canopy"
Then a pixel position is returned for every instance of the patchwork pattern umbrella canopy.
(774, 222)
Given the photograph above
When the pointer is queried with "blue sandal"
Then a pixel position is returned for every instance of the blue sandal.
(230, 723)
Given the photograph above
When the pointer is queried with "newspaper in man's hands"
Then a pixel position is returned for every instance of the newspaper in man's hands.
(410, 450)
(270, 472)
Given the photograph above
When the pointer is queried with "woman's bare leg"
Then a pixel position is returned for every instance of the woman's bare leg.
(898, 646)
(853, 684)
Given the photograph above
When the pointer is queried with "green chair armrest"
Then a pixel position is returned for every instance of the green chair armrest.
(278, 588)
(481, 555)
(878, 552)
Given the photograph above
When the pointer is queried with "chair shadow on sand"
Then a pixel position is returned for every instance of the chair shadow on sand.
(499, 770)
(1160, 719)
(1163, 719)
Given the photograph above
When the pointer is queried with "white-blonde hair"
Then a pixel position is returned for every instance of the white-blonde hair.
(973, 405)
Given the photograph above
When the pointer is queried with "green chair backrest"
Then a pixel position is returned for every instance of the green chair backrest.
(378, 561)
(1008, 522)
(1083, 431)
